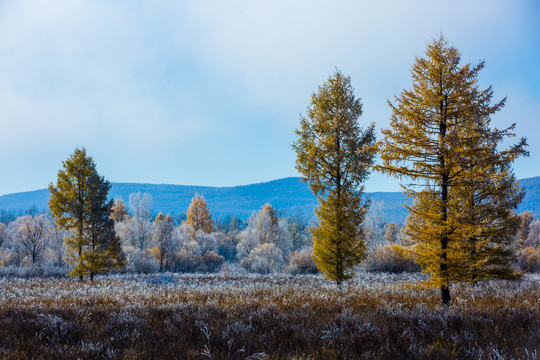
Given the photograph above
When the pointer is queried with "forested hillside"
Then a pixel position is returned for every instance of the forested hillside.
(289, 195)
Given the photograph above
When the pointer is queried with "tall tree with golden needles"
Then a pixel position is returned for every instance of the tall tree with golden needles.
(486, 200)
(79, 203)
(198, 216)
(440, 139)
(334, 155)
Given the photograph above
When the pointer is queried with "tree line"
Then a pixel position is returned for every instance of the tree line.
(31, 244)
(137, 240)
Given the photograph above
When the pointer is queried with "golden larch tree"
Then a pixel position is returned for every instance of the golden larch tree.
(119, 211)
(198, 216)
(79, 204)
(334, 155)
(486, 199)
(439, 138)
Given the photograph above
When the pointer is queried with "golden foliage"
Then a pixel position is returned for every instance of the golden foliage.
(119, 211)
(440, 139)
(198, 215)
(334, 155)
(79, 203)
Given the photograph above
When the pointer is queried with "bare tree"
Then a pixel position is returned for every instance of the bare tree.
(163, 235)
(30, 235)
(139, 228)
(56, 242)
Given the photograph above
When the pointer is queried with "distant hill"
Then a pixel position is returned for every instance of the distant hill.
(289, 195)
(531, 201)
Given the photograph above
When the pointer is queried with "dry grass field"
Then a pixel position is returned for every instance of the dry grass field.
(227, 316)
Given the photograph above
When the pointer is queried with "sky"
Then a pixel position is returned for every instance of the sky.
(210, 92)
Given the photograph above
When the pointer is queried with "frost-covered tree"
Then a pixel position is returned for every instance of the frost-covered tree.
(137, 230)
(3, 233)
(264, 228)
(533, 235)
(374, 224)
(525, 220)
(264, 259)
(5, 253)
(56, 244)
(299, 233)
(195, 243)
(30, 236)
(196, 250)
(527, 243)
(163, 237)
(235, 224)
(301, 262)
(334, 156)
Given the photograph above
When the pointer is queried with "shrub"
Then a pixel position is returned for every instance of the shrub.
(392, 258)
(227, 245)
(36, 271)
(529, 259)
(210, 262)
(184, 261)
(142, 262)
(264, 259)
(301, 262)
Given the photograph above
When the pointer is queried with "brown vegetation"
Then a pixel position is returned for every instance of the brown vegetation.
(227, 317)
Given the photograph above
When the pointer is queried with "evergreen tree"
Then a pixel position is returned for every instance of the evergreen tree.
(105, 252)
(440, 139)
(334, 156)
(485, 202)
(198, 216)
(79, 204)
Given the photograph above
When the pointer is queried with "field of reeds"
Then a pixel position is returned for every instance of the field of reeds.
(224, 316)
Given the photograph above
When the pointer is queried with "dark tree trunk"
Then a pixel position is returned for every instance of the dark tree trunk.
(445, 294)
(445, 286)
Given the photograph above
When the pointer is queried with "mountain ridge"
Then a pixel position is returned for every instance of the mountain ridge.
(288, 195)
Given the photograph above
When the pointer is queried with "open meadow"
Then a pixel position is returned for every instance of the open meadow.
(226, 316)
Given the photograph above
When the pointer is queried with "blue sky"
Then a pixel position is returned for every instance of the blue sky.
(210, 92)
